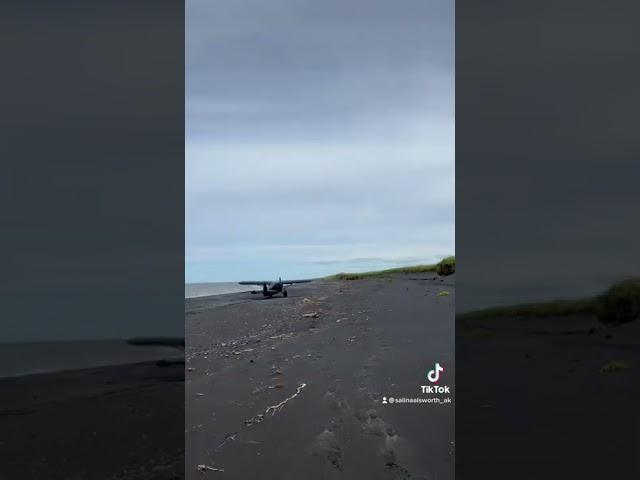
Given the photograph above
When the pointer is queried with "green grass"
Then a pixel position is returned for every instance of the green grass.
(446, 266)
(619, 304)
(555, 308)
(436, 268)
(614, 367)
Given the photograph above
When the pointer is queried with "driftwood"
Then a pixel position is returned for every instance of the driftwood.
(229, 437)
(275, 408)
(207, 468)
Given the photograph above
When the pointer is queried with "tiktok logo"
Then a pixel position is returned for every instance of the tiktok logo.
(434, 375)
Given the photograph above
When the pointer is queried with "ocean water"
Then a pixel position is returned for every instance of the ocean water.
(192, 290)
(18, 359)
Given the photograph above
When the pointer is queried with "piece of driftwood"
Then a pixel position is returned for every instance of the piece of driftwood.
(276, 408)
(207, 468)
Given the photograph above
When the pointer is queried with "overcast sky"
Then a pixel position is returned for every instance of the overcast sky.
(547, 160)
(320, 136)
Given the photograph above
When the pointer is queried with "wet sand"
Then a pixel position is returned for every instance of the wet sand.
(118, 422)
(371, 338)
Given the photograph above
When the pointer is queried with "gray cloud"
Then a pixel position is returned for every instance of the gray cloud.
(547, 152)
(326, 126)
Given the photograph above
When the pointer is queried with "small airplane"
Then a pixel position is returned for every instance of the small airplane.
(269, 289)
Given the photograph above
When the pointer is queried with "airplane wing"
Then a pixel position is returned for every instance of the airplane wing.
(254, 283)
(291, 282)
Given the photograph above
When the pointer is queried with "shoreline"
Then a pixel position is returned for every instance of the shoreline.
(292, 387)
(49, 357)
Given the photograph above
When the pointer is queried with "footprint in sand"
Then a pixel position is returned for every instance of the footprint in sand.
(334, 402)
(327, 446)
(390, 441)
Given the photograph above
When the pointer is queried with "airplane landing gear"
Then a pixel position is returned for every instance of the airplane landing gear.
(284, 293)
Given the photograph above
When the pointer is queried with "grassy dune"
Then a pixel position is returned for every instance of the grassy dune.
(446, 265)
(553, 308)
(619, 304)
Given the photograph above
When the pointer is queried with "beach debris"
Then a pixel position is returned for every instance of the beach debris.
(614, 367)
(443, 293)
(276, 408)
(229, 437)
(282, 335)
(310, 315)
(207, 468)
(257, 419)
(246, 350)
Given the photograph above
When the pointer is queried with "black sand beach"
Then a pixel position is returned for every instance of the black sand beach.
(547, 398)
(349, 344)
(120, 422)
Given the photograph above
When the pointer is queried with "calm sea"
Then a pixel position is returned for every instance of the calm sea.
(192, 290)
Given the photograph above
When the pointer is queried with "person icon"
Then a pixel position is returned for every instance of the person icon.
(384, 400)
